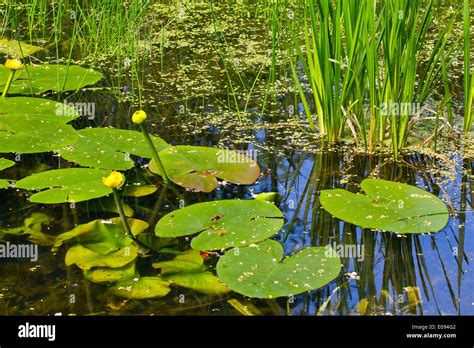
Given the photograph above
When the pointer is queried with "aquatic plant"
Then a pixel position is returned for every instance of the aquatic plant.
(138, 118)
(359, 58)
(142, 288)
(15, 48)
(34, 125)
(66, 185)
(198, 167)
(222, 224)
(4, 164)
(36, 79)
(13, 65)
(468, 76)
(388, 206)
(187, 270)
(109, 148)
(32, 229)
(260, 270)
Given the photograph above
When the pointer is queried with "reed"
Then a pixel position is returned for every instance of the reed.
(468, 84)
(362, 58)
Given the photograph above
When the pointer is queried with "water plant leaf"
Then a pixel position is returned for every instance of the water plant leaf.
(17, 48)
(222, 224)
(142, 288)
(5, 163)
(5, 73)
(197, 168)
(272, 197)
(188, 270)
(135, 190)
(258, 270)
(109, 148)
(66, 185)
(111, 275)
(102, 236)
(32, 229)
(85, 258)
(36, 79)
(388, 206)
(248, 309)
(33, 125)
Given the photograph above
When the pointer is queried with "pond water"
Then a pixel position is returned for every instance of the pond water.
(394, 274)
(383, 273)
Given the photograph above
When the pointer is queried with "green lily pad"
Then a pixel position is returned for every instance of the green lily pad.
(222, 224)
(142, 288)
(66, 185)
(32, 229)
(272, 197)
(4, 163)
(5, 74)
(188, 271)
(109, 148)
(111, 275)
(388, 206)
(197, 168)
(102, 236)
(36, 79)
(17, 48)
(258, 270)
(134, 190)
(33, 125)
(85, 258)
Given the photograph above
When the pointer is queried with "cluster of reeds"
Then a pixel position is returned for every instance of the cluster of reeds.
(371, 66)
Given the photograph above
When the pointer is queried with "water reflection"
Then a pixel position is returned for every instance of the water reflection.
(394, 275)
(399, 274)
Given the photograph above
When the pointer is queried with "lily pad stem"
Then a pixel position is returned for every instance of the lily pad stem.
(125, 224)
(9, 82)
(156, 157)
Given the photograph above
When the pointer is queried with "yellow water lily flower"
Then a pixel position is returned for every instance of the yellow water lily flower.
(139, 116)
(14, 64)
(114, 181)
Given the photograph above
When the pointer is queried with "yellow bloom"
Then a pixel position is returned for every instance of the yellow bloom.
(14, 64)
(114, 180)
(139, 116)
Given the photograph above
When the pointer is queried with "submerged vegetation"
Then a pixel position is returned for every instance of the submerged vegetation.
(150, 145)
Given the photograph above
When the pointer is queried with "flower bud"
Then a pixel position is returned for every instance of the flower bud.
(14, 64)
(139, 116)
(114, 181)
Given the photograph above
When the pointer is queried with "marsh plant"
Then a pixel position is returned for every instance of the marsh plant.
(360, 57)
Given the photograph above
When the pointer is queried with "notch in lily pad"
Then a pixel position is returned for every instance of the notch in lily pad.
(388, 206)
(223, 224)
(260, 270)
